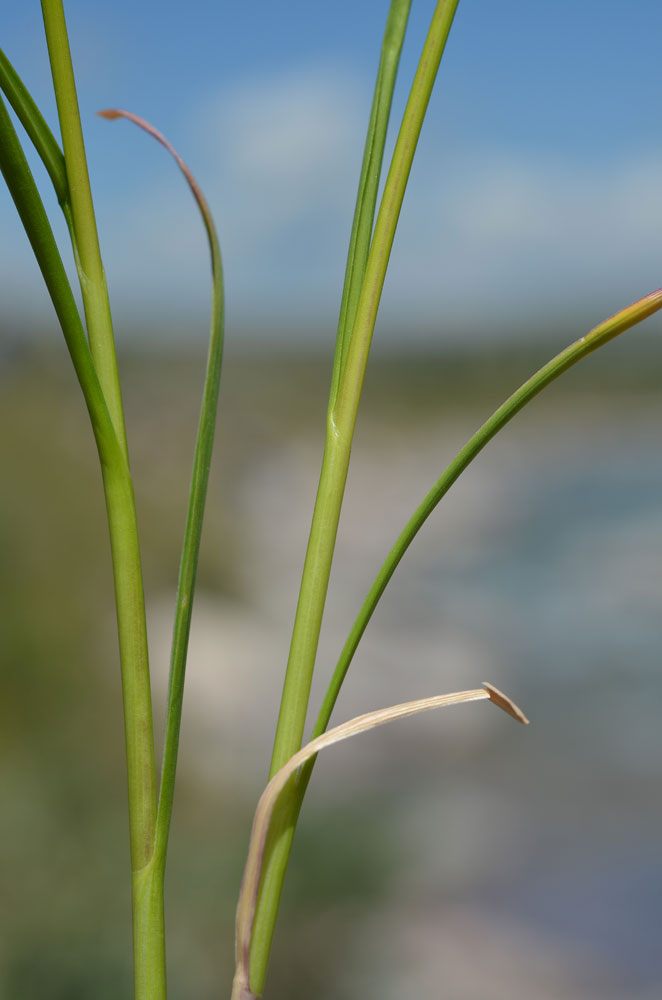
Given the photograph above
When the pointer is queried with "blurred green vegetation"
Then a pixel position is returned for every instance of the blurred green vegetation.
(64, 855)
(63, 839)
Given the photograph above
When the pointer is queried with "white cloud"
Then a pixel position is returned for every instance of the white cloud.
(486, 233)
(296, 128)
(490, 231)
(278, 159)
(287, 148)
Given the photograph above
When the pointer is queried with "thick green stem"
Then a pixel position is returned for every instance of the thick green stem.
(149, 941)
(149, 969)
(349, 371)
(132, 632)
(314, 583)
(305, 638)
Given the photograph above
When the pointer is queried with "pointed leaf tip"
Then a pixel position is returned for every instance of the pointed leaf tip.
(504, 702)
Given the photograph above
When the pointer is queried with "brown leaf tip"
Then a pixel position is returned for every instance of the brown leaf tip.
(504, 702)
(110, 113)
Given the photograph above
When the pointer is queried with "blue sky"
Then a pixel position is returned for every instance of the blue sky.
(537, 184)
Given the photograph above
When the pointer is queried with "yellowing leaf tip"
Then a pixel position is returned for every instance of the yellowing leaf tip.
(504, 702)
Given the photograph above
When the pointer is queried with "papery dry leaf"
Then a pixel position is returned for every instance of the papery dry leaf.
(250, 884)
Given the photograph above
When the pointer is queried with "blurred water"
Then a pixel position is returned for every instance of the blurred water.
(459, 856)
(542, 572)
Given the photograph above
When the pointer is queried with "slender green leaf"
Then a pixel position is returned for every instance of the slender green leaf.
(35, 125)
(596, 338)
(357, 351)
(371, 168)
(23, 190)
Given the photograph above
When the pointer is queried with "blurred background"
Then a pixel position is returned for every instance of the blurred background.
(457, 856)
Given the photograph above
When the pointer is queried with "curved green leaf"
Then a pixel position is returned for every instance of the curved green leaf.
(35, 125)
(197, 498)
(23, 190)
(593, 340)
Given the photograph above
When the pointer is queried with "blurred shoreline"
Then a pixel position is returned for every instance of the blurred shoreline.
(540, 572)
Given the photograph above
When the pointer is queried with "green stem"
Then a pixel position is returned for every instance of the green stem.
(147, 883)
(349, 371)
(148, 934)
(149, 939)
(126, 562)
(296, 691)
